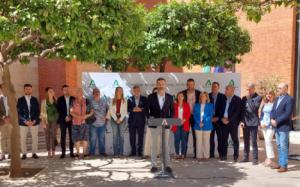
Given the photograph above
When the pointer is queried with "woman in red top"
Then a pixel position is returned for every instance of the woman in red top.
(183, 112)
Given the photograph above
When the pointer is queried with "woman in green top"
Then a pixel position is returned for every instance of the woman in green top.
(49, 116)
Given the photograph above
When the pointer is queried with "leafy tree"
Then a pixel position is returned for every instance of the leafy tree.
(96, 31)
(193, 33)
(255, 9)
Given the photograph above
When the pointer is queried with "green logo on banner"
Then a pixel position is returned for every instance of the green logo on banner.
(208, 83)
(231, 82)
(116, 84)
(92, 83)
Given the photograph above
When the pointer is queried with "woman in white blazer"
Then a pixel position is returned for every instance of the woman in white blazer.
(117, 113)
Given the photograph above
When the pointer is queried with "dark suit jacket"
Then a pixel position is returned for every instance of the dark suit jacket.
(250, 107)
(197, 94)
(283, 113)
(154, 109)
(23, 112)
(234, 111)
(220, 105)
(62, 108)
(137, 118)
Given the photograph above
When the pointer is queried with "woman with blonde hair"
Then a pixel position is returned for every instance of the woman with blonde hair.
(267, 129)
(117, 113)
(203, 113)
(49, 116)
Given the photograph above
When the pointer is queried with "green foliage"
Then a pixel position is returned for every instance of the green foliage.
(193, 33)
(255, 9)
(100, 31)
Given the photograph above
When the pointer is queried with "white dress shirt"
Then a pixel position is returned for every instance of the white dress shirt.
(28, 98)
(202, 112)
(161, 100)
(67, 98)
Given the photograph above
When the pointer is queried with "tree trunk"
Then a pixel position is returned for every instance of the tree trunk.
(9, 91)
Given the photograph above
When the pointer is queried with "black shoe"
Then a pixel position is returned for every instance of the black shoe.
(35, 156)
(168, 169)
(255, 162)
(223, 158)
(86, 156)
(9, 157)
(103, 154)
(195, 156)
(72, 155)
(140, 154)
(62, 156)
(235, 159)
(245, 160)
(211, 156)
(153, 169)
(132, 154)
(24, 157)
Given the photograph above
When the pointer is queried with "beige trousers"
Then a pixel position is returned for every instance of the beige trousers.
(147, 147)
(202, 143)
(5, 136)
(34, 130)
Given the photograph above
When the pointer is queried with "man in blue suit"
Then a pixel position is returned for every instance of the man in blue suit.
(281, 120)
(160, 106)
(29, 119)
(230, 122)
(137, 108)
(219, 101)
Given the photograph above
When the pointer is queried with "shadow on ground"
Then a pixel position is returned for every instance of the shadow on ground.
(127, 172)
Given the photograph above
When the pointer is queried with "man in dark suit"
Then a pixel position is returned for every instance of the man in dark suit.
(230, 122)
(250, 122)
(29, 119)
(137, 108)
(191, 95)
(160, 106)
(219, 101)
(65, 120)
(281, 120)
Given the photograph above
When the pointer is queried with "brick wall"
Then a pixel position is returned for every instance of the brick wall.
(272, 50)
(52, 73)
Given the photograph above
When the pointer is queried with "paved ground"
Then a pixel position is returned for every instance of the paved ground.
(131, 172)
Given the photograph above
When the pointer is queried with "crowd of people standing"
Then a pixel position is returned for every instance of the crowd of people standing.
(205, 115)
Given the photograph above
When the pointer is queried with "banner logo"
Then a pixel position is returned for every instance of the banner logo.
(116, 84)
(231, 82)
(92, 83)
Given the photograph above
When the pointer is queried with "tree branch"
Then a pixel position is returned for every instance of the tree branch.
(45, 52)
(28, 38)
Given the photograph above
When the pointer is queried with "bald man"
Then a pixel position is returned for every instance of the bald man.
(230, 122)
(281, 120)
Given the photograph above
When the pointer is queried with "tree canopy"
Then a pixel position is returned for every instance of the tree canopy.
(193, 33)
(97, 31)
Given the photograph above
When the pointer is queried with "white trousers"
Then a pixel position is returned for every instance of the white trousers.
(268, 136)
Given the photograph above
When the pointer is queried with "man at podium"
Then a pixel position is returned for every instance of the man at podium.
(160, 106)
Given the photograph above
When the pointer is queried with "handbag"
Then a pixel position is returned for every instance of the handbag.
(90, 120)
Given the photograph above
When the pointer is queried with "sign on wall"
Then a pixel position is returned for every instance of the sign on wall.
(107, 82)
